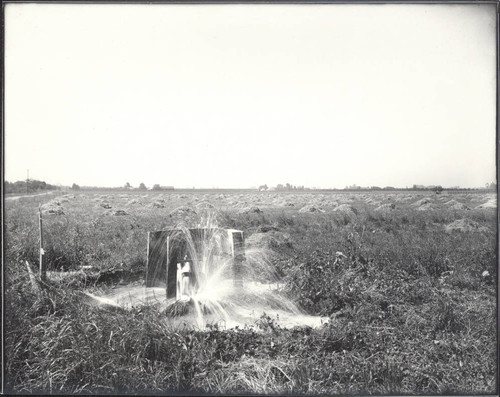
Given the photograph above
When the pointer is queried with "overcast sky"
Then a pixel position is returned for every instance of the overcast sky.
(244, 95)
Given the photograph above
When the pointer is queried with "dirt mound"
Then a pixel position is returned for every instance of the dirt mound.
(120, 213)
(330, 203)
(384, 208)
(372, 201)
(427, 207)
(346, 209)
(53, 211)
(184, 214)
(287, 204)
(283, 203)
(491, 203)
(456, 205)
(465, 225)
(133, 201)
(271, 239)
(311, 208)
(422, 201)
(404, 199)
(157, 204)
(106, 205)
(459, 207)
(52, 208)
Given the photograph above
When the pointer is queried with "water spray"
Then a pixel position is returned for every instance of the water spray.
(204, 276)
(188, 262)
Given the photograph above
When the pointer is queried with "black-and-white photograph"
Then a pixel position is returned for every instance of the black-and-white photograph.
(250, 198)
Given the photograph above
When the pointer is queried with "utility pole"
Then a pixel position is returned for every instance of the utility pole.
(27, 181)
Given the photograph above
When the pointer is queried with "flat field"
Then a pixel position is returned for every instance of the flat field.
(411, 302)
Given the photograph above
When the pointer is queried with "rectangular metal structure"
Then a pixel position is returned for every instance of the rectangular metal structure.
(166, 248)
(157, 259)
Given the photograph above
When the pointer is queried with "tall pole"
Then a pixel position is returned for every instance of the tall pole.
(27, 181)
(42, 264)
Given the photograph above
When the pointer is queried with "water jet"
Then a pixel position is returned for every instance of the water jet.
(203, 276)
(184, 260)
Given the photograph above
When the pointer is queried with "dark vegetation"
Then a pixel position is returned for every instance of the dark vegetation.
(29, 186)
(412, 309)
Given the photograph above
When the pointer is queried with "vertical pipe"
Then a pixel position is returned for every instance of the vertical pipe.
(42, 264)
(167, 266)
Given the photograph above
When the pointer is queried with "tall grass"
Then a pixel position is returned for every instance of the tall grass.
(410, 310)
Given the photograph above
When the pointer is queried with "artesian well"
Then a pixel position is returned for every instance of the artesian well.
(183, 260)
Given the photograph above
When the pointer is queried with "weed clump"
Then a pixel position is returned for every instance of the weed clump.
(465, 225)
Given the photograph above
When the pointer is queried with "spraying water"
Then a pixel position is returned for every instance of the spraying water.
(210, 279)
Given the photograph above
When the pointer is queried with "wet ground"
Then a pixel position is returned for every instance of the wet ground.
(254, 305)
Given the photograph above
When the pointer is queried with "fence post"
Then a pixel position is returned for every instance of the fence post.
(42, 264)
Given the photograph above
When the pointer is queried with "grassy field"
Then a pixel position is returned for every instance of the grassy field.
(412, 305)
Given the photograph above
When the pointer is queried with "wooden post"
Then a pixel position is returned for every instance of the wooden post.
(35, 285)
(42, 264)
(146, 278)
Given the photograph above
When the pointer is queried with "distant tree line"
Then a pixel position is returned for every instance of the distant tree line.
(158, 187)
(434, 188)
(142, 186)
(127, 186)
(29, 186)
(288, 187)
(356, 187)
